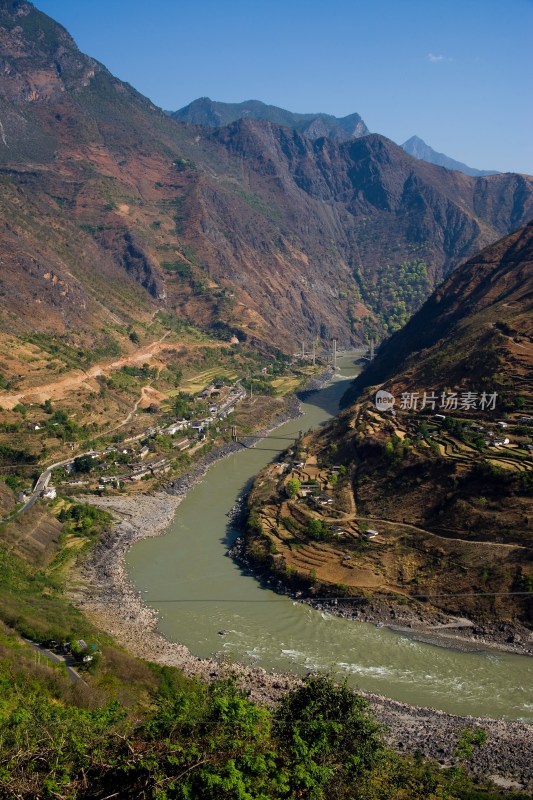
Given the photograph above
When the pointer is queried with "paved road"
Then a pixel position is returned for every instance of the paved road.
(42, 483)
(66, 660)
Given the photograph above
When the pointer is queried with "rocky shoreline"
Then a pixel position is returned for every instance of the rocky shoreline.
(105, 594)
(430, 626)
(101, 588)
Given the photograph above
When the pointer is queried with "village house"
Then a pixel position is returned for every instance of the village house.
(110, 481)
(157, 469)
(179, 425)
(138, 476)
(307, 489)
(324, 500)
(181, 444)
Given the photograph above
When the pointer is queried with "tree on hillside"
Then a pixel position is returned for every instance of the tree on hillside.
(181, 404)
(327, 736)
(83, 463)
(293, 487)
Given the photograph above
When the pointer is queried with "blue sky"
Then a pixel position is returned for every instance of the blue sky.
(458, 73)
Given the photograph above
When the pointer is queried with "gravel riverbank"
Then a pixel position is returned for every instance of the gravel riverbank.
(420, 623)
(102, 590)
(105, 594)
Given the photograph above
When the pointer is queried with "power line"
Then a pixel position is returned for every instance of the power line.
(282, 598)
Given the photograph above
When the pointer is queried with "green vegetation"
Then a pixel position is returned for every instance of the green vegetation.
(393, 293)
(11, 455)
(462, 432)
(496, 481)
(145, 372)
(92, 230)
(62, 427)
(259, 385)
(181, 164)
(173, 374)
(397, 449)
(293, 487)
(75, 357)
(31, 602)
(83, 519)
(83, 464)
(259, 204)
(193, 740)
(181, 268)
(319, 530)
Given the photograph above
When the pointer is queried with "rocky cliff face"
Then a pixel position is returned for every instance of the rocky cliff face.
(360, 221)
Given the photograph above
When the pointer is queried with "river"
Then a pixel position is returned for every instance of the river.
(199, 592)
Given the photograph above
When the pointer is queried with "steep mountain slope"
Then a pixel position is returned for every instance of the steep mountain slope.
(374, 228)
(77, 156)
(477, 326)
(212, 114)
(419, 149)
(429, 495)
(112, 210)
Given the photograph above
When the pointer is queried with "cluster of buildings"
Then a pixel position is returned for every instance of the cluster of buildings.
(133, 462)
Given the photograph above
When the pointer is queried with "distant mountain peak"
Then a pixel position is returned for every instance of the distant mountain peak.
(213, 114)
(418, 148)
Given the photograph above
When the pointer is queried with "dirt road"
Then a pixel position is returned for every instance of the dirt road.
(78, 378)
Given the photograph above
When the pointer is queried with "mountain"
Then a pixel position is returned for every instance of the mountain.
(208, 113)
(477, 327)
(373, 229)
(419, 149)
(111, 211)
(78, 150)
(458, 464)
(432, 491)
(212, 114)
